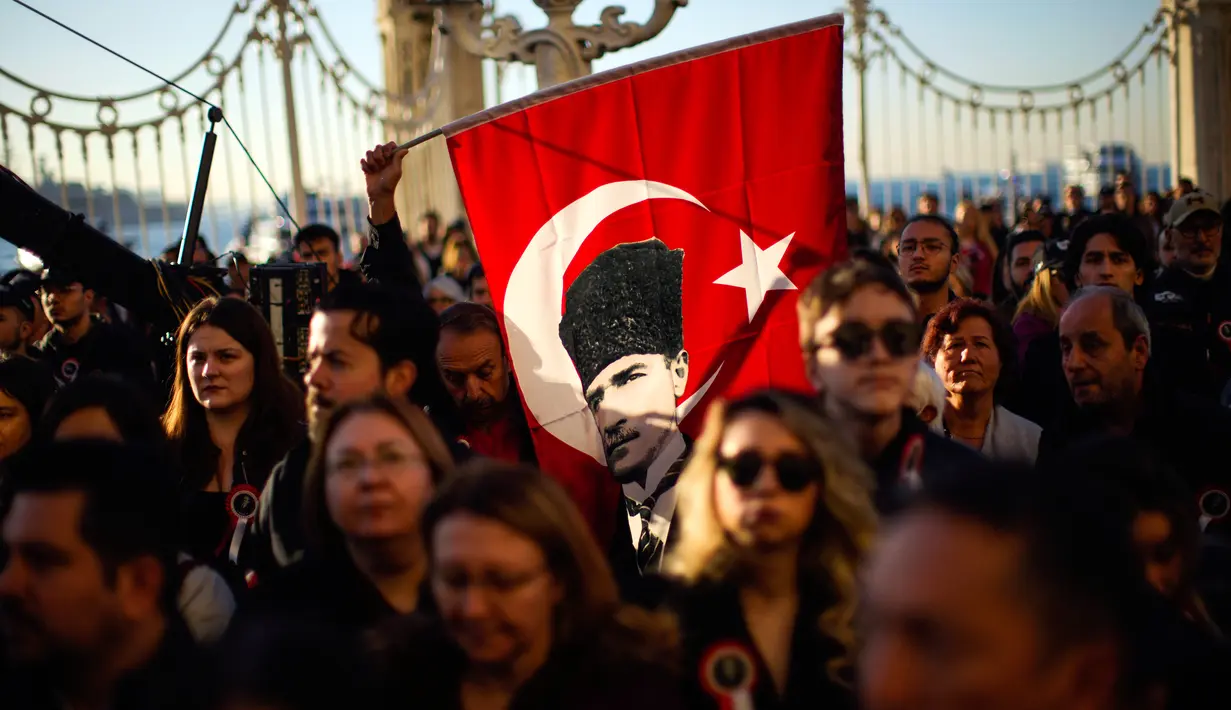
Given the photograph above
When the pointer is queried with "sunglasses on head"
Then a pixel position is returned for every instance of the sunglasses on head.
(794, 471)
(853, 339)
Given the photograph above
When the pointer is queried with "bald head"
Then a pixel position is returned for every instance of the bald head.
(1104, 344)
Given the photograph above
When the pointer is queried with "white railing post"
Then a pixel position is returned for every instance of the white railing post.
(299, 198)
(859, 26)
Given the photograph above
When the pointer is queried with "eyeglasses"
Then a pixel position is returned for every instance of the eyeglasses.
(384, 463)
(794, 471)
(1201, 227)
(931, 247)
(853, 339)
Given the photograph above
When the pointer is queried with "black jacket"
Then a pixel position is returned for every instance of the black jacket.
(1041, 392)
(172, 678)
(322, 590)
(1189, 434)
(1190, 323)
(106, 347)
(418, 664)
(277, 537)
(712, 623)
(913, 458)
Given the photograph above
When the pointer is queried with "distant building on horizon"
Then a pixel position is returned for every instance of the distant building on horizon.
(1091, 168)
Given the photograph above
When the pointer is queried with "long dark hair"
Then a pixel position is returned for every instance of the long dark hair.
(276, 405)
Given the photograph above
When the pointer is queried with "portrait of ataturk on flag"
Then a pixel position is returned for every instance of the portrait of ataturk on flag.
(623, 328)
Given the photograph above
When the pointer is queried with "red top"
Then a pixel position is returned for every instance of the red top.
(500, 441)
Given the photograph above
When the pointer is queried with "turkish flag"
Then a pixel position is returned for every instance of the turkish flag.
(720, 172)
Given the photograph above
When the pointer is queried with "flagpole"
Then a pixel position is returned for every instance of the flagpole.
(859, 25)
(421, 139)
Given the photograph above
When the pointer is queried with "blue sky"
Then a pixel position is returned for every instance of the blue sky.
(997, 41)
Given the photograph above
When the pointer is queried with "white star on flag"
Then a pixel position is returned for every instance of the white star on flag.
(758, 273)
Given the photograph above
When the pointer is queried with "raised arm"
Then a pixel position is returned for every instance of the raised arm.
(386, 259)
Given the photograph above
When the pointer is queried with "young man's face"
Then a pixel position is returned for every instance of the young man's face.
(15, 329)
(634, 405)
(56, 604)
(1021, 265)
(1104, 263)
(866, 352)
(341, 368)
(322, 250)
(925, 257)
(67, 305)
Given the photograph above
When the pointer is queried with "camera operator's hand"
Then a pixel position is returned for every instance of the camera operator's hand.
(382, 169)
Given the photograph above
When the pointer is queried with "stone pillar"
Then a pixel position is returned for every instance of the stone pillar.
(406, 33)
(1200, 37)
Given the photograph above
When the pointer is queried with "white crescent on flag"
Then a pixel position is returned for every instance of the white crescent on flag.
(531, 312)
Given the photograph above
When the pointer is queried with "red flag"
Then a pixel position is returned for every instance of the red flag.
(726, 159)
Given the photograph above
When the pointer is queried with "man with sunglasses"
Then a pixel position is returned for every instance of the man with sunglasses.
(927, 257)
(860, 339)
(1190, 308)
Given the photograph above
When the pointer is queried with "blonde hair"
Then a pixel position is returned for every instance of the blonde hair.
(451, 254)
(1041, 300)
(982, 230)
(843, 523)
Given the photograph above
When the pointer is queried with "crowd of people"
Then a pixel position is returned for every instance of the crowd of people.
(1006, 489)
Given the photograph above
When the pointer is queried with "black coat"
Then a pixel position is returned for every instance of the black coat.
(1190, 322)
(420, 666)
(173, 678)
(916, 456)
(107, 348)
(712, 624)
(321, 591)
(1189, 434)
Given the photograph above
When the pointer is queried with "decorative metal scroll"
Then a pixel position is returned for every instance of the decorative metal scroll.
(120, 158)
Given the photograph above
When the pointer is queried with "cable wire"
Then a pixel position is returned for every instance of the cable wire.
(168, 82)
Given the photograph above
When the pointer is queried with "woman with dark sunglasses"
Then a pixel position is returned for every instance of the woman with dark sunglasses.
(775, 513)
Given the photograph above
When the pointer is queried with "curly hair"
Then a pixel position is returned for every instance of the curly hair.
(946, 322)
(843, 523)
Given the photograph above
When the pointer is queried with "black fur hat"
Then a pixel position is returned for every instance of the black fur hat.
(628, 301)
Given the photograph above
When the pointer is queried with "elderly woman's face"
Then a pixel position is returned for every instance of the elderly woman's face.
(968, 361)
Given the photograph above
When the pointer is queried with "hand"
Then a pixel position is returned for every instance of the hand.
(382, 169)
